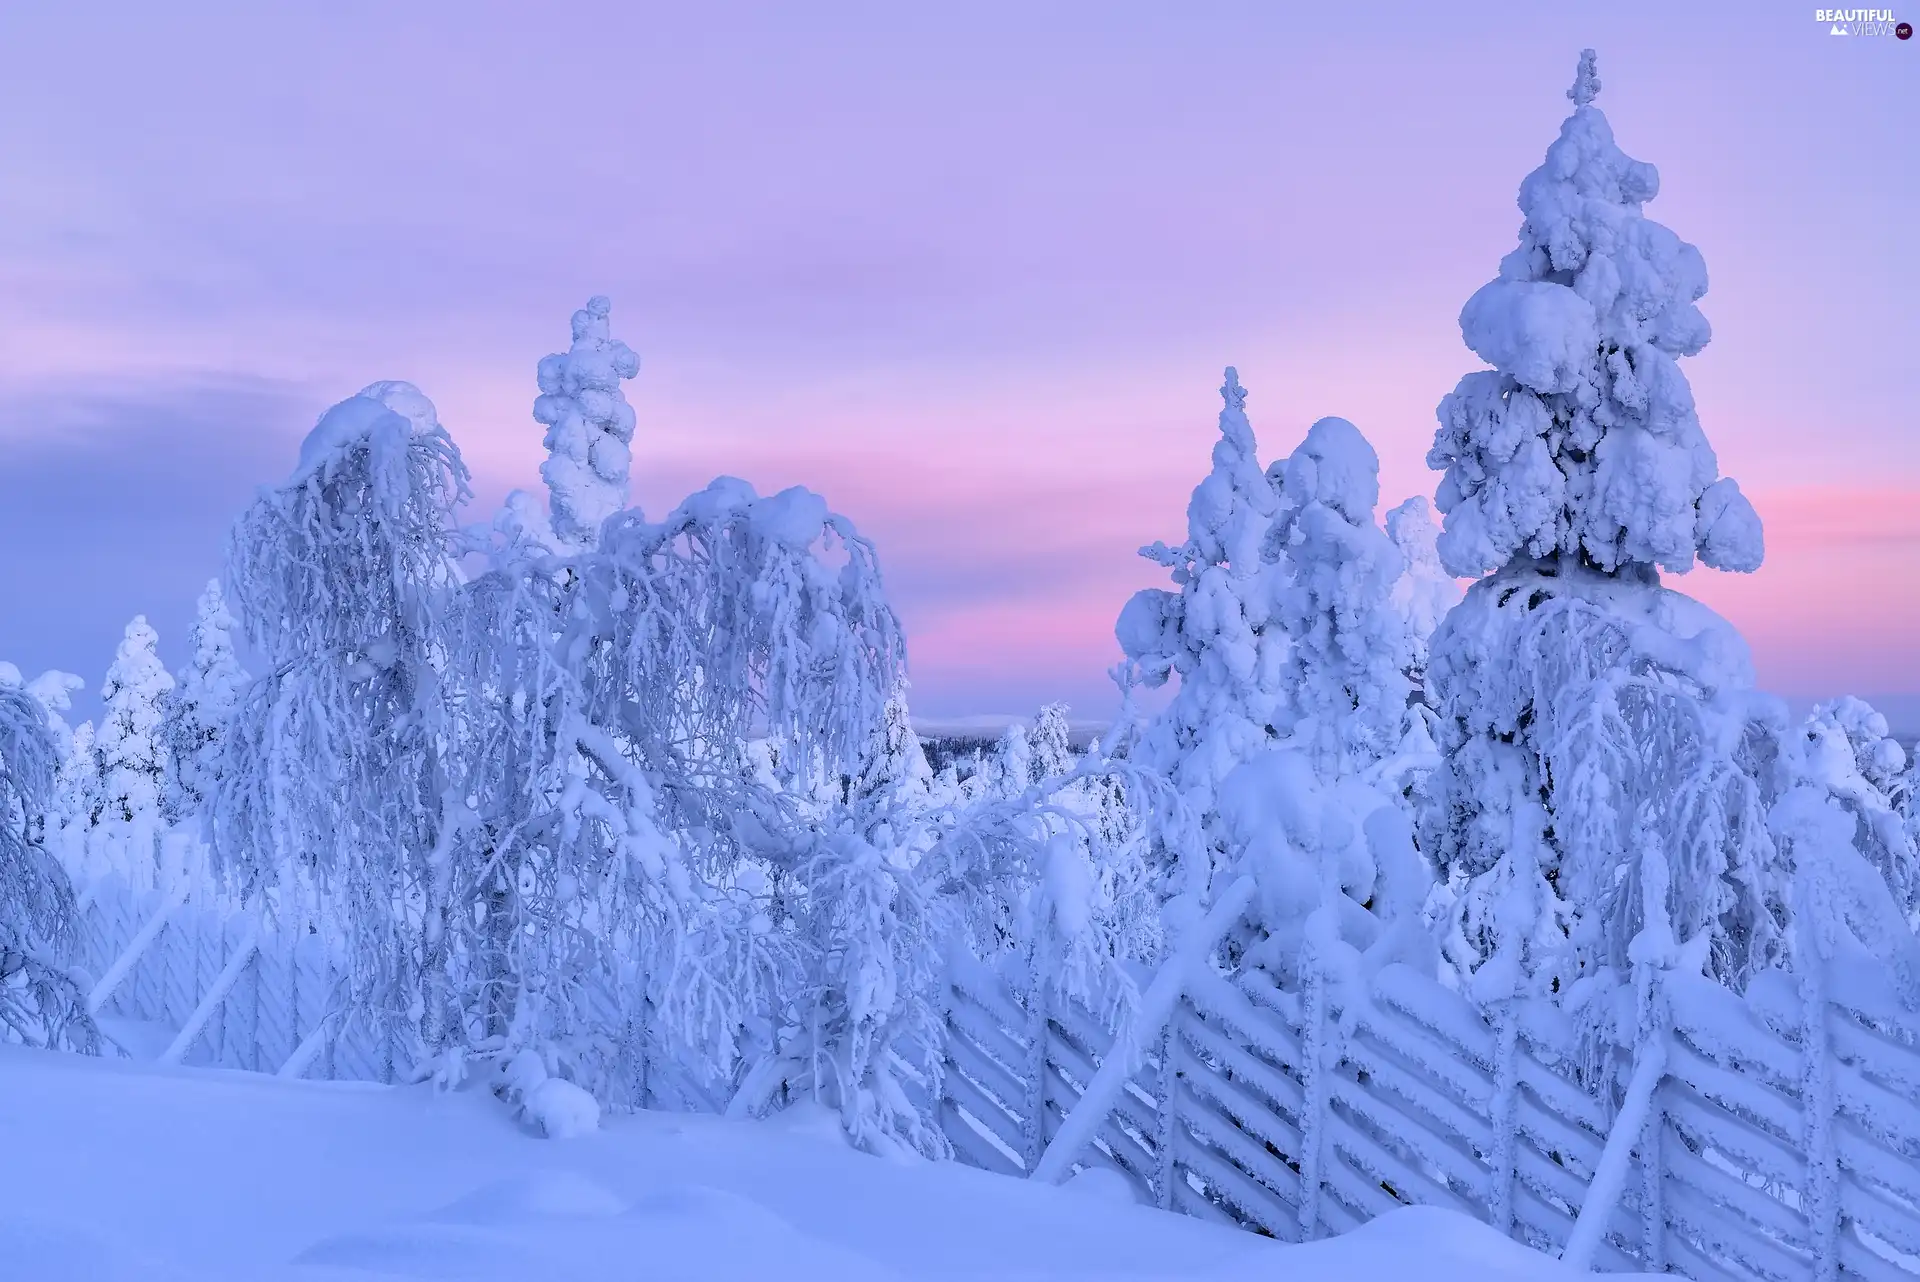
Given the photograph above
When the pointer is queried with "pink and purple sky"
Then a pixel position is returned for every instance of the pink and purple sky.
(969, 270)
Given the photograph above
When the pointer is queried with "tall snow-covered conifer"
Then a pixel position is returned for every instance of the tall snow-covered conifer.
(1586, 712)
(1425, 591)
(131, 747)
(1583, 441)
(1346, 666)
(206, 692)
(1215, 632)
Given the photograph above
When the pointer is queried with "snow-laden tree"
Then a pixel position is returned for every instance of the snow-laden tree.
(1050, 742)
(651, 722)
(894, 760)
(339, 764)
(1215, 632)
(40, 1004)
(1425, 591)
(1009, 770)
(589, 426)
(1315, 818)
(1847, 752)
(1346, 665)
(1582, 442)
(1585, 711)
(206, 692)
(75, 810)
(131, 749)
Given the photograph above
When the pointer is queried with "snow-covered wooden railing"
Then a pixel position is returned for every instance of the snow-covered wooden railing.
(1217, 1119)
(1420, 1096)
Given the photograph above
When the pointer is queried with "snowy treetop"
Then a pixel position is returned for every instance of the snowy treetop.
(1586, 81)
(589, 425)
(1583, 439)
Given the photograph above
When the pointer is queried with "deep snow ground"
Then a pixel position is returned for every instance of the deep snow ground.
(112, 1171)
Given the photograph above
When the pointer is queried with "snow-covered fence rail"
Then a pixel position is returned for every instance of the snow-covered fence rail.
(1766, 1149)
(1420, 1097)
(224, 988)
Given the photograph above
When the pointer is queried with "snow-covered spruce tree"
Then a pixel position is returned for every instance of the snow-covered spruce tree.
(589, 427)
(75, 811)
(1215, 632)
(131, 748)
(1346, 665)
(1583, 709)
(206, 692)
(895, 761)
(40, 1004)
(1314, 817)
(1425, 591)
(339, 764)
(1009, 771)
(1051, 742)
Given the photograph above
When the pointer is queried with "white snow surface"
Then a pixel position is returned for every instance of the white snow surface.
(118, 1172)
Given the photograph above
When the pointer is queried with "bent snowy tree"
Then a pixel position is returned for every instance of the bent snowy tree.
(40, 1004)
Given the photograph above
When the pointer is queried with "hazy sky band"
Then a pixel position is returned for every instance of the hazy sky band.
(970, 271)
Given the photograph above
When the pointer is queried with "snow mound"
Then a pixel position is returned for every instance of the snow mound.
(539, 1193)
(1102, 1184)
(56, 1251)
(562, 1110)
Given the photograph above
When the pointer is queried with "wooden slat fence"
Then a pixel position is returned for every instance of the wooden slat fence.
(1421, 1097)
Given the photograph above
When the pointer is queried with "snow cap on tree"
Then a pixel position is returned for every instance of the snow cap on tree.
(589, 426)
(406, 400)
(1583, 440)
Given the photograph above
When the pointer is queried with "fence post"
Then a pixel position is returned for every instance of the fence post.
(1821, 1198)
(1164, 1119)
(1313, 1109)
(1654, 951)
(1506, 1085)
(1036, 1120)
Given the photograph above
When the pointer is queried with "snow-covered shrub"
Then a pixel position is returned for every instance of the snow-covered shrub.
(1847, 752)
(882, 896)
(206, 692)
(1340, 880)
(1842, 911)
(1585, 711)
(130, 746)
(589, 427)
(40, 1002)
